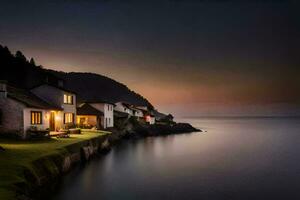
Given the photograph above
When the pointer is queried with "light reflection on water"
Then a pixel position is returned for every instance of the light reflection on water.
(235, 159)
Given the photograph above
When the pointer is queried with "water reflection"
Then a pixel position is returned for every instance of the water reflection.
(235, 159)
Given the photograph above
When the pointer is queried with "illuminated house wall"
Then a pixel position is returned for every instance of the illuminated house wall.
(150, 119)
(55, 96)
(122, 108)
(44, 118)
(88, 120)
(108, 109)
(16, 107)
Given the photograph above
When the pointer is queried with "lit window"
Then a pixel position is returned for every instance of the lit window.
(68, 99)
(82, 120)
(65, 98)
(36, 117)
(68, 118)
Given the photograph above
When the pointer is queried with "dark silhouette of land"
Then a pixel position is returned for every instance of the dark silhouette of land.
(19, 72)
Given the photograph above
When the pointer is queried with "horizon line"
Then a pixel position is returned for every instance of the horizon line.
(242, 116)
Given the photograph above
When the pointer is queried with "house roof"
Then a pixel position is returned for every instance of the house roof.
(136, 109)
(100, 101)
(142, 108)
(133, 107)
(55, 86)
(119, 114)
(123, 103)
(127, 105)
(29, 99)
(87, 109)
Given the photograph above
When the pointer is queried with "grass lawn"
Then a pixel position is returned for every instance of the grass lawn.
(20, 154)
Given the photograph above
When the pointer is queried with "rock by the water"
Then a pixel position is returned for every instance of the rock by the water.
(160, 129)
(2, 149)
(135, 129)
(66, 165)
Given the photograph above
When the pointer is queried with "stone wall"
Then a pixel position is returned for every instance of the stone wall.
(47, 171)
(12, 117)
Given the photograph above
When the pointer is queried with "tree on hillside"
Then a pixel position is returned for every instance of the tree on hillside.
(20, 56)
(32, 62)
(7, 50)
(4, 52)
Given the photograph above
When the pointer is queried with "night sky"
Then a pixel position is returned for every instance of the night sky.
(186, 57)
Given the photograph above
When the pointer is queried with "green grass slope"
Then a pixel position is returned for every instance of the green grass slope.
(22, 156)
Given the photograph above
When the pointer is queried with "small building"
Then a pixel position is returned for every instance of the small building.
(141, 112)
(148, 114)
(124, 107)
(162, 118)
(137, 112)
(61, 98)
(105, 115)
(22, 110)
(120, 115)
(149, 118)
(89, 117)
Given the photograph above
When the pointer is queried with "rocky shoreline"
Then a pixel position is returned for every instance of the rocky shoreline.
(134, 129)
(43, 177)
(143, 131)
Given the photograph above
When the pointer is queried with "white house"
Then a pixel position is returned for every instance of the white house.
(108, 111)
(21, 110)
(105, 114)
(148, 114)
(124, 107)
(137, 112)
(61, 98)
(141, 112)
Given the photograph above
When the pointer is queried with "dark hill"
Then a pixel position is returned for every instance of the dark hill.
(20, 72)
(93, 87)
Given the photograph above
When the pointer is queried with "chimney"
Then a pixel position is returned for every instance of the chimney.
(3, 89)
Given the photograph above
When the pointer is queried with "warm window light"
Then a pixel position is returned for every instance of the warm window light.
(57, 118)
(36, 117)
(47, 116)
(148, 118)
(68, 118)
(68, 99)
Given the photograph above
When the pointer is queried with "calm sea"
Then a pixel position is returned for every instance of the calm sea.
(235, 158)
